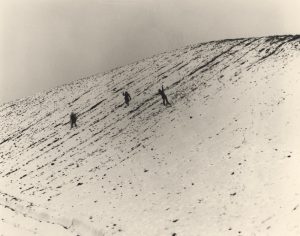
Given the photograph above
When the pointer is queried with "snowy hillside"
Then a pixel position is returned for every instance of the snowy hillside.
(224, 159)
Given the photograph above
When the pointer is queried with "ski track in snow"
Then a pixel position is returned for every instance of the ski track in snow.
(223, 159)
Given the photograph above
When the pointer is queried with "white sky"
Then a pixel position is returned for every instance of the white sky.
(45, 43)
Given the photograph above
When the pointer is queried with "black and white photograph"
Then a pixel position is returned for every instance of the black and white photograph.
(149, 118)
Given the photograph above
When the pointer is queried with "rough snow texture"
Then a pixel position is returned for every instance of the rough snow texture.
(224, 159)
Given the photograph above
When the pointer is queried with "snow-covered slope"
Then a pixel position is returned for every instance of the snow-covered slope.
(224, 159)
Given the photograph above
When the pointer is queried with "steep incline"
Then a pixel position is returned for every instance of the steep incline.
(222, 160)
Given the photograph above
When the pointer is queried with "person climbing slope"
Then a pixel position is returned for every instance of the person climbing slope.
(73, 119)
(163, 96)
(126, 97)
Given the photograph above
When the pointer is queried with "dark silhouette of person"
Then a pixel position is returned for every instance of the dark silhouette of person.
(73, 119)
(126, 97)
(163, 96)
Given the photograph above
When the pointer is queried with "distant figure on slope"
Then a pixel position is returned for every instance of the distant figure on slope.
(73, 119)
(163, 96)
(126, 97)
